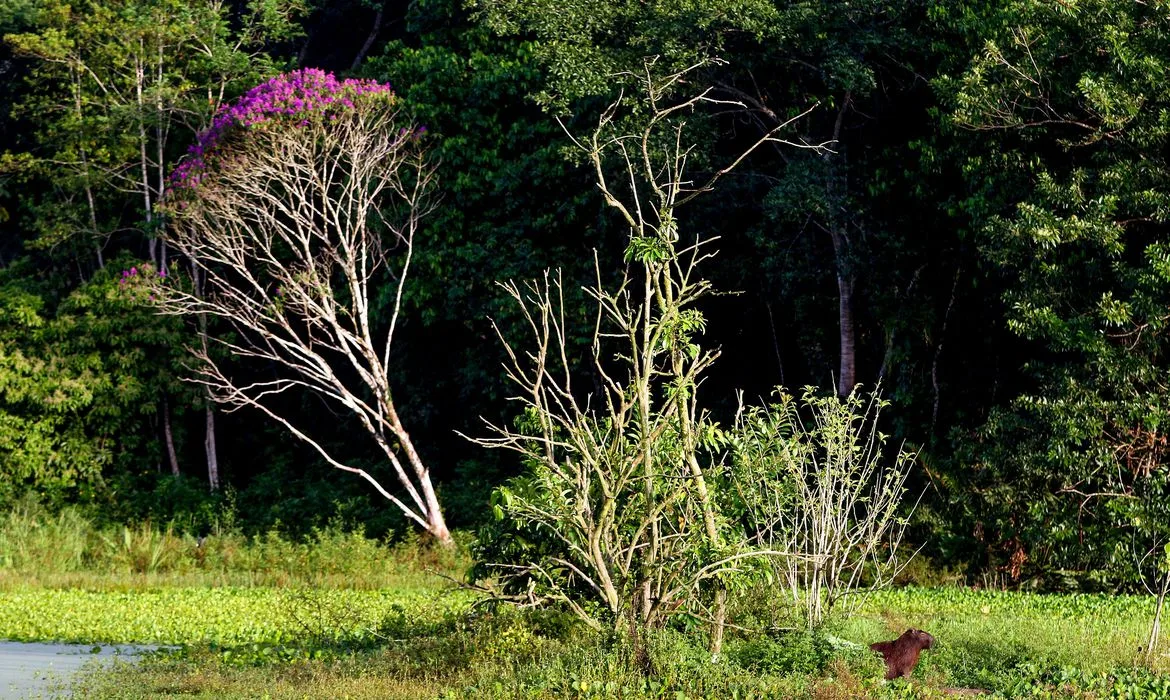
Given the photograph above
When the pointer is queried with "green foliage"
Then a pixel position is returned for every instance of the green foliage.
(796, 651)
(79, 384)
(113, 90)
(410, 646)
(1000, 176)
(68, 548)
(508, 206)
(586, 43)
(223, 616)
(1074, 464)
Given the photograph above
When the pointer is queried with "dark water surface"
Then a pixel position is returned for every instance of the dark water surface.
(33, 670)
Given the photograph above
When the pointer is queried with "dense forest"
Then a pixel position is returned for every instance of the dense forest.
(978, 233)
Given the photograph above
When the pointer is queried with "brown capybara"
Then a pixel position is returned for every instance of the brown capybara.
(901, 655)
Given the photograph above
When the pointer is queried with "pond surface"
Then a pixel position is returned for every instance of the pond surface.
(34, 669)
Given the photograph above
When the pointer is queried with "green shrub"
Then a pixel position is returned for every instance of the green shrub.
(791, 651)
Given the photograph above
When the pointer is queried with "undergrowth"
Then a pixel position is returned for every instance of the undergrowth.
(65, 549)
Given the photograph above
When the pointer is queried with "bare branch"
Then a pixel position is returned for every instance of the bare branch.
(293, 231)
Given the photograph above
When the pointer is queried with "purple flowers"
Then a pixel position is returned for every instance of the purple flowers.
(298, 98)
(141, 282)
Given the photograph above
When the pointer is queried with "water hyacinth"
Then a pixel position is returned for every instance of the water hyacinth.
(298, 98)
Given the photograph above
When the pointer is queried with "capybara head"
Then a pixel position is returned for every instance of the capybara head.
(924, 640)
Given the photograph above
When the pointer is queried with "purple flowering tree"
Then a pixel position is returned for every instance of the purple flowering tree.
(295, 207)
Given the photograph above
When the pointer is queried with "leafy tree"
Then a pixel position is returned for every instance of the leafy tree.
(1069, 101)
(79, 383)
(114, 86)
(850, 60)
(508, 204)
(111, 90)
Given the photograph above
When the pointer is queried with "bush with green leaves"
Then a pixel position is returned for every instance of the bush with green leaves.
(84, 383)
(814, 480)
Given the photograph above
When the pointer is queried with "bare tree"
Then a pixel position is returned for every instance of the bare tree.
(620, 481)
(822, 491)
(292, 228)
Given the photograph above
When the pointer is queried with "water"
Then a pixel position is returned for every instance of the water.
(32, 670)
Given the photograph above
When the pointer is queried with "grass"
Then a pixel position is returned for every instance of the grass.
(39, 549)
(290, 643)
(1091, 631)
(341, 616)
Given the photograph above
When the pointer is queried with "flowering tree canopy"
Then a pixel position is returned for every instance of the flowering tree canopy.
(300, 98)
(298, 204)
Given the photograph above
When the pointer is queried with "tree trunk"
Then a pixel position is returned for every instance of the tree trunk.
(938, 353)
(365, 49)
(720, 622)
(144, 165)
(436, 524)
(1156, 627)
(847, 376)
(209, 447)
(775, 342)
(209, 436)
(89, 198)
(172, 455)
(836, 228)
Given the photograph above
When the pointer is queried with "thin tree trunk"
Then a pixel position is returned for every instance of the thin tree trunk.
(847, 372)
(847, 378)
(172, 455)
(888, 356)
(148, 205)
(720, 622)
(160, 138)
(644, 373)
(209, 448)
(365, 49)
(209, 434)
(938, 353)
(93, 225)
(1156, 627)
(304, 51)
(775, 341)
(686, 429)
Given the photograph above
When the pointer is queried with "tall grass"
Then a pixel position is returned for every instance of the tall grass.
(65, 548)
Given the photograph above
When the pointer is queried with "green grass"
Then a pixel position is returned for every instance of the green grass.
(339, 615)
(432, 642)
(1095, 632)
(40, 549)
(1016, 641)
